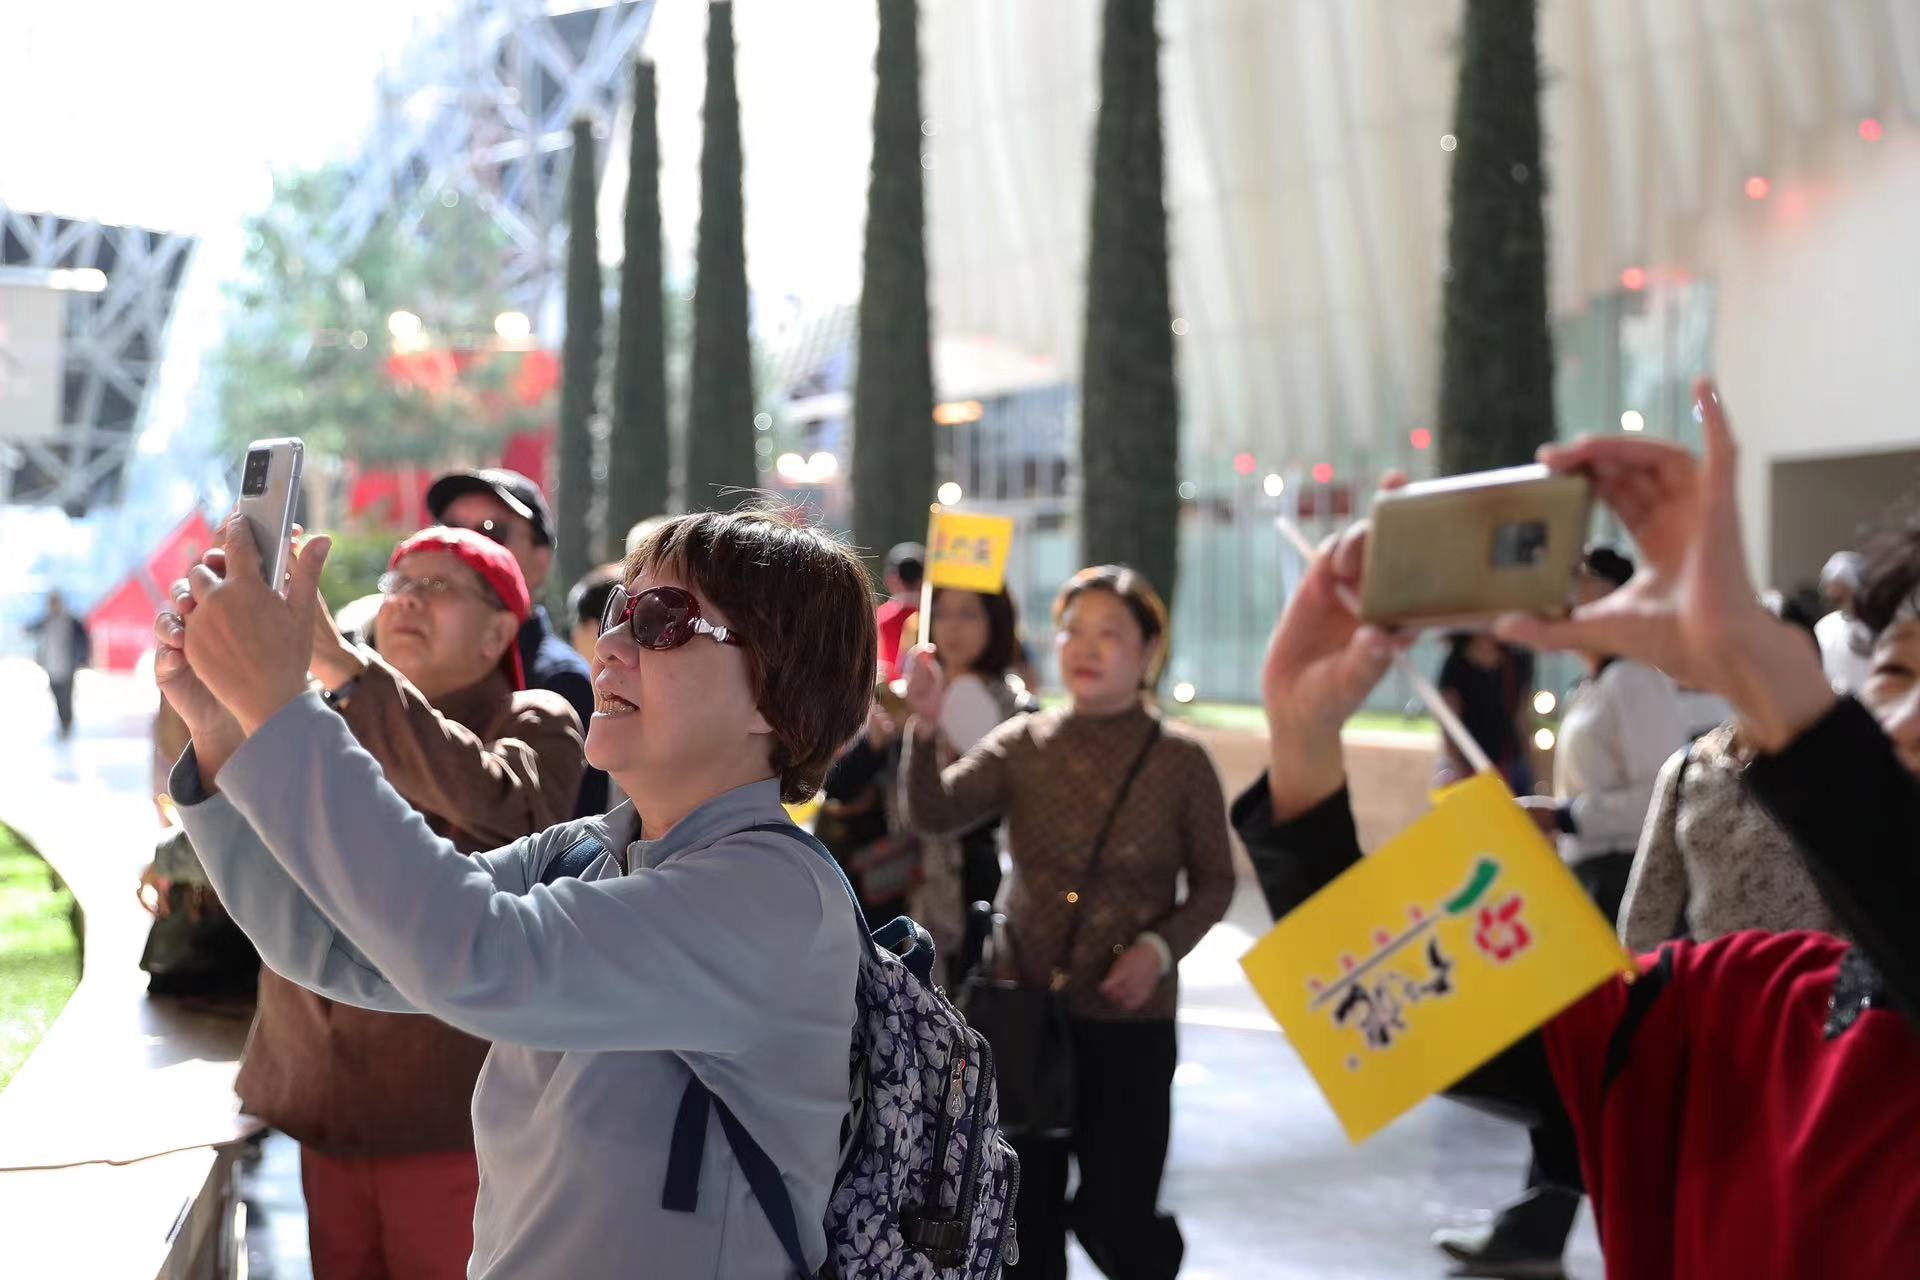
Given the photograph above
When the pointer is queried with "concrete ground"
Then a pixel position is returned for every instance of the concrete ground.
(1264, 1183)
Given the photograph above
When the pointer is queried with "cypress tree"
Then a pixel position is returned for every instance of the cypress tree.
(637, 463)
(720, 403)
(1129, 404)
(579, 367)
(893, 441)
(1496, 349)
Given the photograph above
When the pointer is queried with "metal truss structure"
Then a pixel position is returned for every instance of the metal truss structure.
(483, 110)
(113, 343)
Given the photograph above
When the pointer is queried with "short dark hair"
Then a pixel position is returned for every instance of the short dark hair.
(1889, 575)
(804, 610)
(1608, 563)
(1134, 591)
(587, 601)
(1003, 632)
(909, 561)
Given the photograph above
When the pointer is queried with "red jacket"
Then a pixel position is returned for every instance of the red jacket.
(892, 618)
(1737, 1138)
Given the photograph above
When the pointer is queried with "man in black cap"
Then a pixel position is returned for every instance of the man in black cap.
(510, 509)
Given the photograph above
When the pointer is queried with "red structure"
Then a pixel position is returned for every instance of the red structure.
(121, 625)
(396, 496)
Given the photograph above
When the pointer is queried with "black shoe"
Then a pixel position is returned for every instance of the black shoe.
(1482, 1251)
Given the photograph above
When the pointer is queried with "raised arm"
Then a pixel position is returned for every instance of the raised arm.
(652, 961)
(1853, 811)
(969, 791)
(294, 939)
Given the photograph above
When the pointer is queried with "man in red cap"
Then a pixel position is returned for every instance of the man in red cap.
(507, 508)
(379, 1102)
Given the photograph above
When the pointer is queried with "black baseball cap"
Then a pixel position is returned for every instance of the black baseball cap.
(521, 496)
(909, 560)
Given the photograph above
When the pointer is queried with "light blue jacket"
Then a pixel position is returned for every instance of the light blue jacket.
(733, 951)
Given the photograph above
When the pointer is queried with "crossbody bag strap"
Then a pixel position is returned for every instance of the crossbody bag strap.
(1062, 975)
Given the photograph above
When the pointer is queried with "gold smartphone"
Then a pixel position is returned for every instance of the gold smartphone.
(1464, 549)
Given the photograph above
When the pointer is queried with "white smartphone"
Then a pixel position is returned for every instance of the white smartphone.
(269, 485)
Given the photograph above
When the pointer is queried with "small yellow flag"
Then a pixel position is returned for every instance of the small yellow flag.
(1456, 938)
(969, 552)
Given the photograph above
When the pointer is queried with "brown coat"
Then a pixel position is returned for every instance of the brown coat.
(486, 767)
(1055, 776)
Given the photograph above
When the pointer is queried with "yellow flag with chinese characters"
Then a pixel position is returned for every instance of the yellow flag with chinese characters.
(1453, 940)
(969, 552)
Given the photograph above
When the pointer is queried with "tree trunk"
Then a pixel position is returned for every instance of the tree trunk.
(579, 369)
(893, 441)
(639, 456)
(1129, 403)
(720, 404)
(1496, 349)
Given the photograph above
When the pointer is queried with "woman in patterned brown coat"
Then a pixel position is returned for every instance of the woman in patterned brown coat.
(1057, 776)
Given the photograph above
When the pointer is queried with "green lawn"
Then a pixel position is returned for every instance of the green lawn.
(39, 956)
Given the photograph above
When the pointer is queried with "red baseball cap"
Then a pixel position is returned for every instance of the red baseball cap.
(496, 567)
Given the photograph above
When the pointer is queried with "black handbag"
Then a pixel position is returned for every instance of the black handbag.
(197, 949)
(1029, 1027)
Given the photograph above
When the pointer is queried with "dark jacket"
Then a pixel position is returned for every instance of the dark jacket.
(1745, 1107)
(551, 663)
(485, 767)
(1057, 776)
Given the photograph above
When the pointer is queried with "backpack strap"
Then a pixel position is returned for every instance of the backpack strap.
(572, 861)
(681, 1193)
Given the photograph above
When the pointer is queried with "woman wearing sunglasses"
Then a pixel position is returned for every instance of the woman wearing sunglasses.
(738, 655)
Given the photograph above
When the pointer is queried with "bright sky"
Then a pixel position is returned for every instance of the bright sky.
(172, 115)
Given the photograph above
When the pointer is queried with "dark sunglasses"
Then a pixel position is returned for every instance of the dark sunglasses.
(496, 530)
(660, 618)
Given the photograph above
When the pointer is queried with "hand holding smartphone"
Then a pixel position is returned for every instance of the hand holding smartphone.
(1465, 549)
(269, 486)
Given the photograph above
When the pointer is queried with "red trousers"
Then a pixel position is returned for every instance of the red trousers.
(392, 1218)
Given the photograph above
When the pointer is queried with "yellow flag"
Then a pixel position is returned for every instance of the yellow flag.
(969, 552)
(1456, 938)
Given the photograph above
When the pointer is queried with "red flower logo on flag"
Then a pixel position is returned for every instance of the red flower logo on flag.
(1502, 934)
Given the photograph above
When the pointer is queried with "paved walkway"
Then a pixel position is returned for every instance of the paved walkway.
(1265, 1184)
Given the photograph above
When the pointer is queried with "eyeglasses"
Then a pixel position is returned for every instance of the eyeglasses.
(430, 589)
(660, 618)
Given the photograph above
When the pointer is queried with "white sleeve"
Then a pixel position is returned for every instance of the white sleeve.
(968, 714)
(1641, 714)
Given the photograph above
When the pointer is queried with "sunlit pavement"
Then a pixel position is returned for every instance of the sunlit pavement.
(1264, 1183)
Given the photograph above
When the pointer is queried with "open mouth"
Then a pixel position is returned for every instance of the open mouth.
(611, 704)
